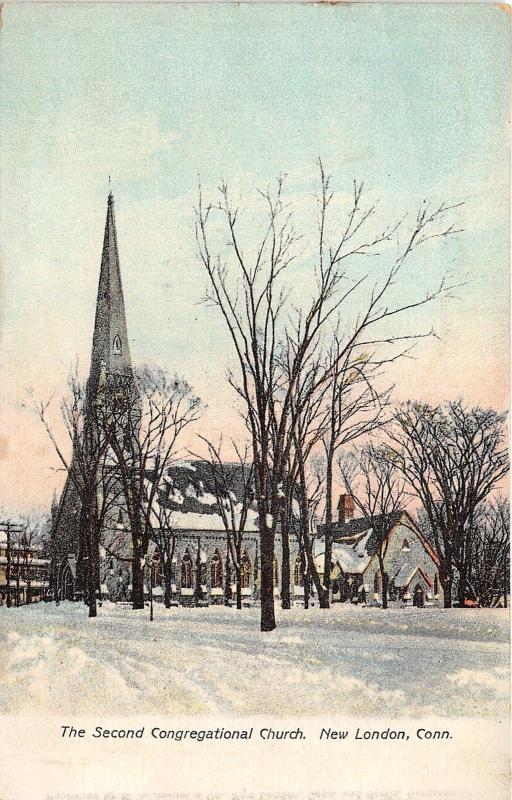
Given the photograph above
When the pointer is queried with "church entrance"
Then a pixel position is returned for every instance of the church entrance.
(67, 584)
(418, 598)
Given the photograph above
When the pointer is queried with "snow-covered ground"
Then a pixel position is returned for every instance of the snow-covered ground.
(346, 660)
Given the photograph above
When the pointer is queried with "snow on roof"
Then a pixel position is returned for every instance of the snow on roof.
(180, 520)
(405, 575)
(352, 556)
(185, 465)
(358, 525)
(191, 498)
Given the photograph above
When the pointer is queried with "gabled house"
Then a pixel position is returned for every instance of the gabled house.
(409, 560)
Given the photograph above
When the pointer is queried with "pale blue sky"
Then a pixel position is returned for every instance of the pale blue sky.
(413, 100)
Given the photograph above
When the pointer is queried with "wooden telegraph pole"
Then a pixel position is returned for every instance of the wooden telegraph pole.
(9, 528)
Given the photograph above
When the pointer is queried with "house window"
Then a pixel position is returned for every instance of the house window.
(216, 571)
(116, 346)
(298, 577)
(245, 571)
(275, 572)
(186, 571)
(406, 546)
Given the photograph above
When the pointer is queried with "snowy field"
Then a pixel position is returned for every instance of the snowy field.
(348, 660)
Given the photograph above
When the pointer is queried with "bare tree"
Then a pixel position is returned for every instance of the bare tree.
(310, 422)
(144, 419)
(355, 408)
(88, 471)
(490, 553)
(378, 489)
(452, 457)
(255, 305)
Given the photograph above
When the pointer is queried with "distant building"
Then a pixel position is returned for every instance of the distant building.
(28, 572)
(409, 560)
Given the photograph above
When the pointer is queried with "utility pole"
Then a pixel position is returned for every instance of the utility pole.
(9, 528)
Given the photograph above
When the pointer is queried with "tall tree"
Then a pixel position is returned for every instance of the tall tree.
(355, 408)
(87, 468)
(250, 291)
(452, 457)
(490, 553)
(143, 420)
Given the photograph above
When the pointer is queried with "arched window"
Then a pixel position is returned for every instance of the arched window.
(275, 572)
(377, 583)
(298, 577)
(116, 346)
(216, 571)
(406, 546)
(245, 571)
(186, 571)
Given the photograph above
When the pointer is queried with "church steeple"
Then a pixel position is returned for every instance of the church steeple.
(110, 347)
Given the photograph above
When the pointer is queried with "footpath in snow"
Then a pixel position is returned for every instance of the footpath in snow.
(348, 660)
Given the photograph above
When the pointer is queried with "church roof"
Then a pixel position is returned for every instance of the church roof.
(110, 346)
(191, 497)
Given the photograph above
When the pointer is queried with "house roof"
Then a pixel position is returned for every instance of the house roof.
(406, 573)
(345, 534)
(358, 525)
(356, 542)
(353, 555)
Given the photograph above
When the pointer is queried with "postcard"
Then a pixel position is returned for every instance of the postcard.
(254, 524)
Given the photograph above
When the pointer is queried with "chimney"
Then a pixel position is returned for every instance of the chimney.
(345, 508)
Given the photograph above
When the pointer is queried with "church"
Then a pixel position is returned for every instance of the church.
(202, 560)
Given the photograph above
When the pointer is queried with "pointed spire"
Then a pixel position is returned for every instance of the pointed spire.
(110, 347)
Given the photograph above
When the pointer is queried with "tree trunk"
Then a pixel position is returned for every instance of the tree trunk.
(238, 552)
(305, 577)
(328, 527)
(285, 561)
(91, 566)
(137, 575)
(268, 620)
(8, 568)
(227, 586)
(323, 595)
(446, 583)
(385, 586)
(198, 592)
(167, 582)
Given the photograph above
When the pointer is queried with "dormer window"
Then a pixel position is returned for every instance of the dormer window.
(405, 546)
(116, 346)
